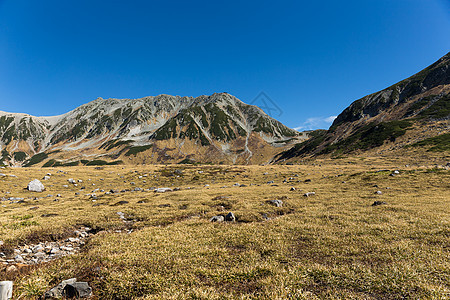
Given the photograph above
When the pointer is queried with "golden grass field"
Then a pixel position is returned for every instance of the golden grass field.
(333, 245)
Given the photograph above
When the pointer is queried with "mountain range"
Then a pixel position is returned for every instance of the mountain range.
(163, 129)
(220, 128)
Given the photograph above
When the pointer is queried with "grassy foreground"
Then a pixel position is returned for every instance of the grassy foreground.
(333, 245)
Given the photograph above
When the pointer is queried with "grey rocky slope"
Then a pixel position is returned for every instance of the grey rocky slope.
(220, 121)
(416, 104)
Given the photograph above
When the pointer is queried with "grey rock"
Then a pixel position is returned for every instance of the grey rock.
(163, 190)
(46, 177)
(230, 217)
(57, 291)
(66, 248)
(18, 258)
(39, 255)
(376, 203)
(277, 203)
(220, 198)
(37, 249)
(78, 290)
(217, 219)
(122, 202)
(6, 289)
(309, 194)
(35, 186)
(54, 250)
(379, 192)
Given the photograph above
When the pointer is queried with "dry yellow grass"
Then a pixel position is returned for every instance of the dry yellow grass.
(333, 245)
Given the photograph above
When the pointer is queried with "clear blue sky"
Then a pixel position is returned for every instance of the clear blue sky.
(312, 58)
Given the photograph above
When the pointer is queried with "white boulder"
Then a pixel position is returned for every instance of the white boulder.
(35, 186)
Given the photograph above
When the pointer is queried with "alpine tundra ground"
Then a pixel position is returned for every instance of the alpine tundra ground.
(331, 245)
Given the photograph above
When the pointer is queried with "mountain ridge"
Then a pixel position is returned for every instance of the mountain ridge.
(383, 118)
(219, 121)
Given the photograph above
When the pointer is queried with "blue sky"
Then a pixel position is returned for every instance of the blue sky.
(311, 58)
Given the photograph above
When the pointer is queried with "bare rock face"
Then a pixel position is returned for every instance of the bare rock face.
(35, 186)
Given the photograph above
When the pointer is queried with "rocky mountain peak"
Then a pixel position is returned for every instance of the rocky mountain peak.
(221, 123)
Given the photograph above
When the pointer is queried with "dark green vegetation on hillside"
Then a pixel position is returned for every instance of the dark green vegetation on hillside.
(220, 126)
(114, 144)
(97, 162)
(35, 159)
(438, 110)
(370, 136)
(438, 143)
(20, 156)
(137, 149)
(5, 154)
(316, 138)
(8, 132)
(167, 131)
(219, 123)
(431, 107)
